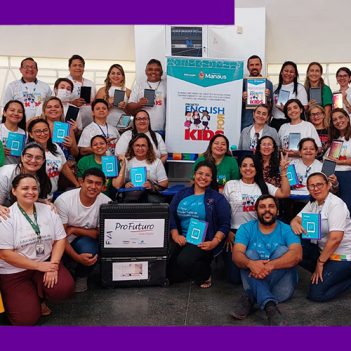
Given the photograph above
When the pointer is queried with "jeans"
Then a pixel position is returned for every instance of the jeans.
(84, 244)
(233, 271)
(277, 287)
(336, 274)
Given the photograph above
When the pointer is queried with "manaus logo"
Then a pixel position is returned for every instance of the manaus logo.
(201, 75)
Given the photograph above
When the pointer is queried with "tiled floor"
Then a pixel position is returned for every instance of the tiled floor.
(186, 304)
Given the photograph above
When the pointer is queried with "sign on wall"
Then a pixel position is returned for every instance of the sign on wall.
(203, 99)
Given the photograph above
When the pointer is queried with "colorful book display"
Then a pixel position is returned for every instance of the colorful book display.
(60, 131)
(196, 231)
(138, 176)
(109, 166)
(124, 121)
(256, 92)
(15, 142)
(311, 222)
(335, 148)
(337, 100)
(292, 175)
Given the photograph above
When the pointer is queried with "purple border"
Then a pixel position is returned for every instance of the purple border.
(117, 12)
(174, 338)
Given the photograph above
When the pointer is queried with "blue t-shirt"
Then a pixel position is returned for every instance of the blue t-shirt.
(191, 207)
(250, 235)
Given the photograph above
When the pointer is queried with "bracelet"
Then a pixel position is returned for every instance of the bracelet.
(319, 260)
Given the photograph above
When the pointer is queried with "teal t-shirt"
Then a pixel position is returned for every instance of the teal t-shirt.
(227, 170)
(192, 206)
(250, 235)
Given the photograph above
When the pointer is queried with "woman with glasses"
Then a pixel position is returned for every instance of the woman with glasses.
(32, 243)
(218, 153)
(329, 260)
(314, 84)
(294, 113)
(32, 161)
(39, 131)
(242, 195)
(115, 80)
(13, 121)
(140, 153)
(340, 130)
(98, 127)
(287, 88)
(343, 77)
(317, 116)
(250, 135)
(202, 202)
(141, 124)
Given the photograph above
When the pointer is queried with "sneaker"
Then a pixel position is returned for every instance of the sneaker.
(242, 308)
(81, 284)
(275, 317)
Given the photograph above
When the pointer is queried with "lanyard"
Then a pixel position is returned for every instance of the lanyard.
(34, 224)
(152, 87)
(105, 135)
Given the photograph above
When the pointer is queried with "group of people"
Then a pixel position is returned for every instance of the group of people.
(50, 195)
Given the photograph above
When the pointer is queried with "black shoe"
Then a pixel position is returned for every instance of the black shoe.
(274, 316)
(242, 308)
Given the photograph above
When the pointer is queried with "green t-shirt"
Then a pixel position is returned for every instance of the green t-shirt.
(228, 169)
(87, 162)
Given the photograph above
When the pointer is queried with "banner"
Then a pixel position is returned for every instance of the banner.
(204, 98)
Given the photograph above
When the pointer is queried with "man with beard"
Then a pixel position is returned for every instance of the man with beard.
(267, 252)
(254, 66)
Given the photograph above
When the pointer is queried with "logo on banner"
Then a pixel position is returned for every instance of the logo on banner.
(203, 122)
(201, 75)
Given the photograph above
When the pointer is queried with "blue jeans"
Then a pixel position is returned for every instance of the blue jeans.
(336, 274)
(84, 244)
(277, 287)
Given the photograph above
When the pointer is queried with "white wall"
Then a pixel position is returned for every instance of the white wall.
(305, 30)
(91, 42)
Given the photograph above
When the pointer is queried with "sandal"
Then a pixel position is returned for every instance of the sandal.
(45, 310)
(206, 284)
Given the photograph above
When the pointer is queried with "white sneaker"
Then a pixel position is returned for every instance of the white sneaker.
(81, 284)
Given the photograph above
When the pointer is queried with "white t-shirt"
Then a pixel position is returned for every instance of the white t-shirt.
(345, 153)
(4, 133)
(155, 170)
(301, 95)
(158, 111)
(32, 95)
(7, 174)
(85, 112)
(122, 144)
(95, 129)
(304, 171)
(306, 130)
(335, 216)
(18, 235)
(242, 198)
(54, 166)
(73, 213)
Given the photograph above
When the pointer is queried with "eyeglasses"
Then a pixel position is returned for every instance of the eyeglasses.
(41, 131)
(317, 186)
(316, 114)
(29, 157)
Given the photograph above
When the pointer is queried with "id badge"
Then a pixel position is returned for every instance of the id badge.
(39, 248)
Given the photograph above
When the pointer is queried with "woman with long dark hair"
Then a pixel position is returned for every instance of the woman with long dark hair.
(288, 85)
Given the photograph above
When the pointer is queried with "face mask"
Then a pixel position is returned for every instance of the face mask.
(63, 95)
